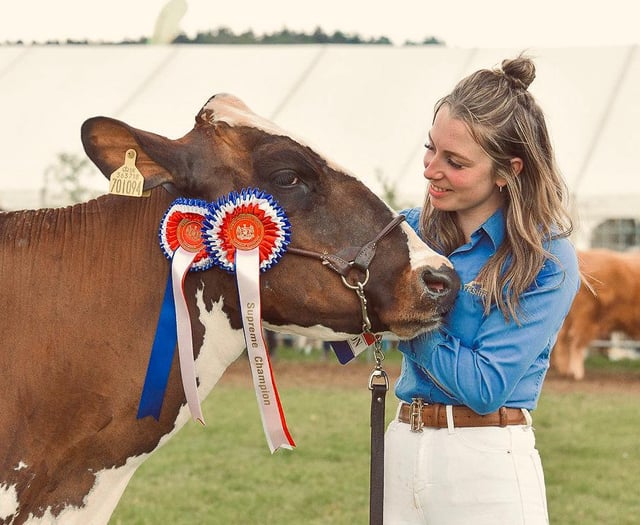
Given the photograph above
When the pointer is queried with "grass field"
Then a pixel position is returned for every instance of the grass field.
(224, 474)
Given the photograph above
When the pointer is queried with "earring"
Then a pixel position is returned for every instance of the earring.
(500, 187)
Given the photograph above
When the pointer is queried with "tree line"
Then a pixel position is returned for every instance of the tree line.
(224, 35)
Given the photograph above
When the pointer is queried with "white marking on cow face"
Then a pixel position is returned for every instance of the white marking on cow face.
(21, 466)
(232, 111)
(8, 501)
(420, 255)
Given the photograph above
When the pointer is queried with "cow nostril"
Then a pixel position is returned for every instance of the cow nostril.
(435, 287)
(443, 283)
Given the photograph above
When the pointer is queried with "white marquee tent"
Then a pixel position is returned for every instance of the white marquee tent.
(368, 107)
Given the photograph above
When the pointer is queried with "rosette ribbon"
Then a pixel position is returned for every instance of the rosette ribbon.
(245, 233)
(180, 238)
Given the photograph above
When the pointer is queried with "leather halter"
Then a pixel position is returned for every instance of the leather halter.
(354, 257)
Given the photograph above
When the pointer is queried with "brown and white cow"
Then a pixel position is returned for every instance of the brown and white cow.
(81, 289)
(612, 304)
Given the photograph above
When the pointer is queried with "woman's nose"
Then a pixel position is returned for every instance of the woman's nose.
(430, 169)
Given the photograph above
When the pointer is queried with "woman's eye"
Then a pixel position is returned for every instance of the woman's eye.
(454, 164)
(429, 146)
(286, 178)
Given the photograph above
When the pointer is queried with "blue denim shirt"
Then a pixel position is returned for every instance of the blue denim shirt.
(484, 361)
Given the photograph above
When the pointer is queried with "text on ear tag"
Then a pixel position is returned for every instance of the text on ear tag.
(127, 179)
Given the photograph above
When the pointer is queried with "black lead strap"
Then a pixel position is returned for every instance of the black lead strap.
(378, 384)
(360, 258)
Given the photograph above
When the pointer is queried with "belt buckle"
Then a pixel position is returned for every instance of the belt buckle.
(415, 417)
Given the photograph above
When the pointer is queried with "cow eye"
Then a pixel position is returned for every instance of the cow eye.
(286, 178)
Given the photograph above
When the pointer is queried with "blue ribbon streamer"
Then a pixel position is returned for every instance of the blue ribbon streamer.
(164, 346)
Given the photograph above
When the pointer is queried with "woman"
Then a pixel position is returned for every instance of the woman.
(462, 450)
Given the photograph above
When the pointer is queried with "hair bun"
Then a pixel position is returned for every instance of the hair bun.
(519, 71)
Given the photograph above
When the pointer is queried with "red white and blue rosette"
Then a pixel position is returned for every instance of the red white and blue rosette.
(181, 227)
(246, 233)
(244, 221)
(180, 237)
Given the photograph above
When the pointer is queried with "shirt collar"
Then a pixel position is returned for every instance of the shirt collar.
(493, 227)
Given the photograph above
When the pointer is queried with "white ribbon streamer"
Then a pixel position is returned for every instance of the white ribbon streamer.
(273, 421)
(181, 262)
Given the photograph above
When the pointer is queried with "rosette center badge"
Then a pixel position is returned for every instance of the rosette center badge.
(246, 231)
(189, 235)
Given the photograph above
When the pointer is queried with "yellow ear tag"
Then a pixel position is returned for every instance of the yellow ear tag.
(127, 179)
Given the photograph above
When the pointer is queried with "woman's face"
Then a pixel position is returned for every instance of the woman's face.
(460, 174)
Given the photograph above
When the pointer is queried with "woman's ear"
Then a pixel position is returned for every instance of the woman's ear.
(516, 165)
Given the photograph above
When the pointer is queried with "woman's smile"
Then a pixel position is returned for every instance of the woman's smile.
(437, 190)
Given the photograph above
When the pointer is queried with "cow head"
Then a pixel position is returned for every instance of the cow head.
(330, 212)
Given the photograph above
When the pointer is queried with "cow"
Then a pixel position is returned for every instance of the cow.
(82, 287)
(608, 301)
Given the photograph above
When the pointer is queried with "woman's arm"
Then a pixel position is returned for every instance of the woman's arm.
(483, 374)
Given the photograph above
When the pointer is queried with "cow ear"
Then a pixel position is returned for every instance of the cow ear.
(106, 141)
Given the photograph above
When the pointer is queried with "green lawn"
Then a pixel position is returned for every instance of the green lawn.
(591, 454)
(224, 474)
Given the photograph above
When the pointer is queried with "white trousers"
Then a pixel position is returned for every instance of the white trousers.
(463, 476)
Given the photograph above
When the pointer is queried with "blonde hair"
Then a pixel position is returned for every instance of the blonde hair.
(505, 120)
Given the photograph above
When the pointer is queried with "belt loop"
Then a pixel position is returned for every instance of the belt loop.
(504, 418)
(450, 424)
(527, 417)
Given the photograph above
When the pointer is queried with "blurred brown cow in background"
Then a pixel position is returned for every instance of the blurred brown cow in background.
(612, 305)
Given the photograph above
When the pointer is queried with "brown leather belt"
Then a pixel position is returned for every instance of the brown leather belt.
(418, 415)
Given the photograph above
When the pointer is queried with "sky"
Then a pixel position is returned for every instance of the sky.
(459, 23)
